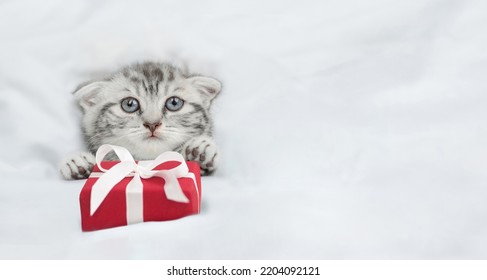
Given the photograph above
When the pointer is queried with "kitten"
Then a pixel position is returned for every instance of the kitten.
(148, 108)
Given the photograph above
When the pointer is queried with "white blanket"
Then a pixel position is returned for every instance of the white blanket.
(348, 129)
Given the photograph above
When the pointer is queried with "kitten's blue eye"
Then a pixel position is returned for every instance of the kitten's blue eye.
(174, 103)
(130, 105)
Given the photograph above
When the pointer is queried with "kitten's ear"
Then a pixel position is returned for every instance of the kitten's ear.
(208, 86)
(86, 93)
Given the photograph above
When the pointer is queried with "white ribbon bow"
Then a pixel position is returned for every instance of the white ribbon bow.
(128, 167)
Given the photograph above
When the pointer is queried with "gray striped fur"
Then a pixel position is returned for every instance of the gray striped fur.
(105, 122)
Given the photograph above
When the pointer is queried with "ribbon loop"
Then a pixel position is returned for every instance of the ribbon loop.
(128, 166)
(122, 153)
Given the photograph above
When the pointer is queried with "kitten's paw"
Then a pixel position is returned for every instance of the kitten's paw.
(78, 167)
(204, 151)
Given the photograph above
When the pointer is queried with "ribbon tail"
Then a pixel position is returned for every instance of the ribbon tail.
(105, 183)
(173, 190)
(135, 201)
(192, 177)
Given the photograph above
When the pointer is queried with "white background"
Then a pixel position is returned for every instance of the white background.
(348, 129)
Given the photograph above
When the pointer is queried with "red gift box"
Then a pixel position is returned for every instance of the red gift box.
(154, 203)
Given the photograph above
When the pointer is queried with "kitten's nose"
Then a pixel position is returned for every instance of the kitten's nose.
(152, 126)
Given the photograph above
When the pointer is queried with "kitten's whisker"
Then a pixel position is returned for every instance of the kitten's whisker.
(173, 131)
(120, 137)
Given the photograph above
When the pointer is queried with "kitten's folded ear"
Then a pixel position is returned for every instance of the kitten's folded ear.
(86, 93)
(208, 86)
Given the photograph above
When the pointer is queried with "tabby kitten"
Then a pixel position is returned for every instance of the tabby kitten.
(148, 108)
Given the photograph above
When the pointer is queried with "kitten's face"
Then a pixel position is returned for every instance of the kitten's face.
(147, 108)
